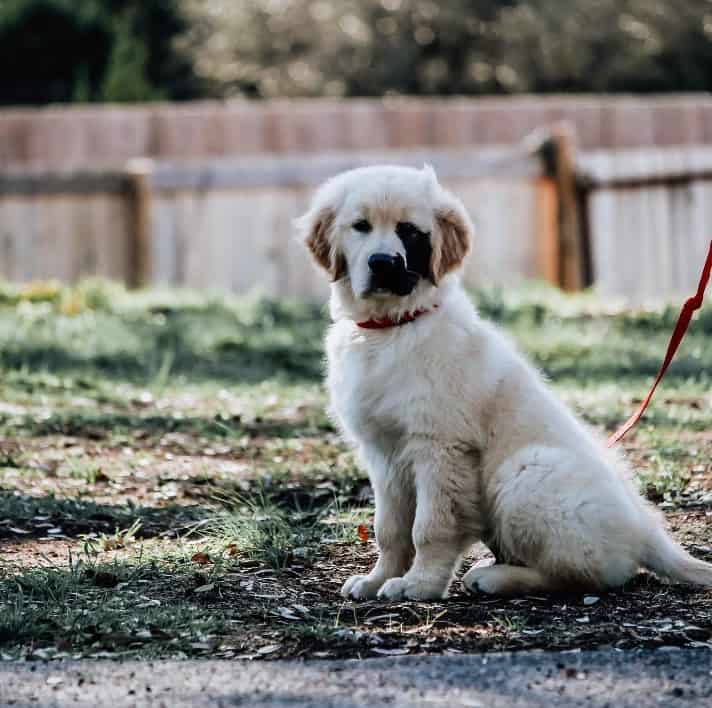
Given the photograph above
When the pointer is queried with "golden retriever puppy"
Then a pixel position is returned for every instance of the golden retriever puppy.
(462, 439)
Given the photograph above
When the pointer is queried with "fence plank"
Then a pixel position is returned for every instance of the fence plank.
(505, 244)
(110, 220)
(18, 236)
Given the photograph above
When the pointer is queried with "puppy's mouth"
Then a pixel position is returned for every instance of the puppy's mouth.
(401, 286)
(390, 276)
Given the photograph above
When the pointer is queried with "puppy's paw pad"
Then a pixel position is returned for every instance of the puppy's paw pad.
(360, 587)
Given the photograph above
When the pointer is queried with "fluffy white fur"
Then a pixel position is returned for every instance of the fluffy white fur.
(462, 439)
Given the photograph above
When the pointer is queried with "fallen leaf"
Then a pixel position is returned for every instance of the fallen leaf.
(231, 549)
(362, 532)
(201, 558)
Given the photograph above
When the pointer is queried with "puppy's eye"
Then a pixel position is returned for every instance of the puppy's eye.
(405, 229)
(362, 225)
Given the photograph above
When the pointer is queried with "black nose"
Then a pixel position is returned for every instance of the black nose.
(383, 263)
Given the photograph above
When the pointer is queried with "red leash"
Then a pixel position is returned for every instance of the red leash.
(683, 322)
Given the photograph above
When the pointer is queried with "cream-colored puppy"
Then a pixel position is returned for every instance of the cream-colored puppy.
(461, 438)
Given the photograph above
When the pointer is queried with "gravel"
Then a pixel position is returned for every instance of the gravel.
(668, 676)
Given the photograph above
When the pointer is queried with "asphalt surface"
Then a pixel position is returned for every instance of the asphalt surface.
(669, 677)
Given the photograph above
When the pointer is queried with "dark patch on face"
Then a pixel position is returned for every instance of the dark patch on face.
(394, 273)
(418, 249)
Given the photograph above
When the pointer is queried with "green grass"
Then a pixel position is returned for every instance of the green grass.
(171, 486)
(113, 607)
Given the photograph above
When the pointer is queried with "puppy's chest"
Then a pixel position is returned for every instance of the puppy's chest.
(380, 395)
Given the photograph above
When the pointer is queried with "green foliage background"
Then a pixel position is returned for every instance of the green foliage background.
(89, 50)
(128, 50)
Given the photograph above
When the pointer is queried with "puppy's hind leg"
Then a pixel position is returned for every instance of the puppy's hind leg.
(507, 580)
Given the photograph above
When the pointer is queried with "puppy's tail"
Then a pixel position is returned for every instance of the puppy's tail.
(665, 558)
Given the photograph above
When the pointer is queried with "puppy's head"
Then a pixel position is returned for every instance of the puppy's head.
(386, 230)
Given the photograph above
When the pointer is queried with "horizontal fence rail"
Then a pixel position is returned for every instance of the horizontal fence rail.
(268, 171)
(79, 182)
(305, 171)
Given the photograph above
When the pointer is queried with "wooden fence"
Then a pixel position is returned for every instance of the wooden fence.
(636, 223)
(81, 137)
(227, 224)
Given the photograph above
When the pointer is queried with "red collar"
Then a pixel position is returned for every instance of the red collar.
(386, 322)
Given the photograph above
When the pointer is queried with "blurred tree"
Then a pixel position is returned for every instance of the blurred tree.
(62, 50)
(373, 47)
(345, 47)
(610, 45)
(125, 78)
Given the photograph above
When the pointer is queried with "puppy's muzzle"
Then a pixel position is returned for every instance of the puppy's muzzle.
(390, 273)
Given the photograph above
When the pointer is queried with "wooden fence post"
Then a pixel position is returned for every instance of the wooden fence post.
(139, 173)
(559, 155)
(547, 231)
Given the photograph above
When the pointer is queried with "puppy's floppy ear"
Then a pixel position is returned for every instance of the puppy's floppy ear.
(315, 227)
(455, 227)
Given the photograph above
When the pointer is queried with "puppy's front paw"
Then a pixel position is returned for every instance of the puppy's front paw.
(410, 588)
(361, 587)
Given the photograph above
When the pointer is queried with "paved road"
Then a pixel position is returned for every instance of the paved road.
(596, 678)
